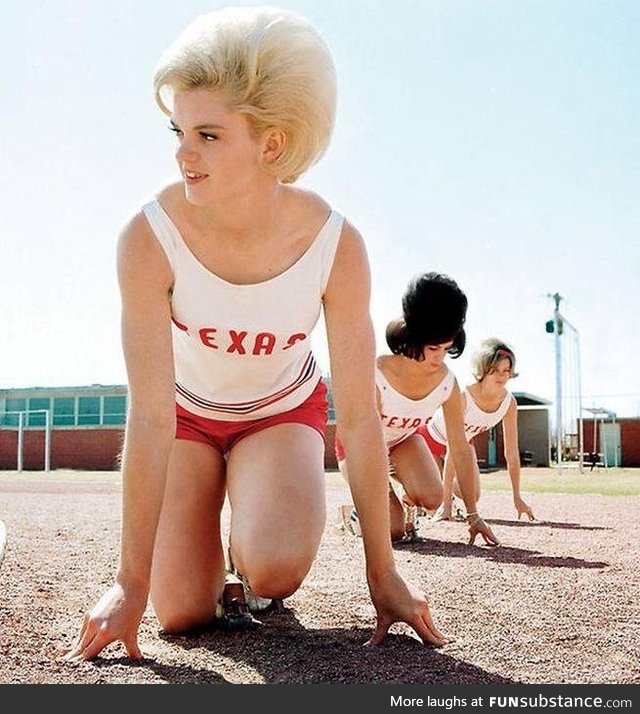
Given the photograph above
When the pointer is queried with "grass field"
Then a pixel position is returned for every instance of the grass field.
(602, 482)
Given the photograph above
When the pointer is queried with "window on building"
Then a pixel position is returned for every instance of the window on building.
(115, 410)
(332, 410)
(64, 411)
(89, 410)
(12, 407)
(37, 407)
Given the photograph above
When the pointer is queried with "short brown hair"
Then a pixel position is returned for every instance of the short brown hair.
(490, 352)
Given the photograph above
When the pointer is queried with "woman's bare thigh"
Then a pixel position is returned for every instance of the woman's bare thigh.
(416, 469)
(188, 563)
(276, 488)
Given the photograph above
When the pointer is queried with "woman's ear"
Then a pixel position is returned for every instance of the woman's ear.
(274, 144)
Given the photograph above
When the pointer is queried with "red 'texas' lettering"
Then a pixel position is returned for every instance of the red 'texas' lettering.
(401, 422)
(207, 336)
(293, 339)
(265, 342)
(234, 341)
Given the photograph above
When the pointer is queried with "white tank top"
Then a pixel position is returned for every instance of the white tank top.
(400, 415)
(243, 352)
(475, 420)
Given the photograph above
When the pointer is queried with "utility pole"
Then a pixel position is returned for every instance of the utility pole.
(557, 326)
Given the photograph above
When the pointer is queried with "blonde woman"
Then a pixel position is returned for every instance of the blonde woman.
(225, 394)
(487, 403)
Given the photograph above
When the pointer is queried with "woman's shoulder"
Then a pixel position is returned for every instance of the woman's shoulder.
(312, 207)
(389, 372)
(448, 383)
(168, 197)
(447, 376)
(135, 230)
(472, 389)
(137, 238)
(382, 360)
(304, 199)
(171, 196)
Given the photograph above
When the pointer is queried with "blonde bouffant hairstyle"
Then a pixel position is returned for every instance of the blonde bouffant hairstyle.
(269, 64)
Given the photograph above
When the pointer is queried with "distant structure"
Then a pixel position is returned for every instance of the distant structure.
(603, 437)
(48, 428)
(44, 428)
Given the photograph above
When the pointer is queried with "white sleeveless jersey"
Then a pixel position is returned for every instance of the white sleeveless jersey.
(475, 420)
(243, 352)
(400, 415)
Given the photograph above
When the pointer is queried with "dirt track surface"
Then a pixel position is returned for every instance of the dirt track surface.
(557, 603)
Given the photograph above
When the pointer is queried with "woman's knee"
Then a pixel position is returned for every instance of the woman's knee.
(429, 498)
(177, 617)
(280, 573)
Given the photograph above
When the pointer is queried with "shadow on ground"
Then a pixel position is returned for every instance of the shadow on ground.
(501, 554)
(331, 656)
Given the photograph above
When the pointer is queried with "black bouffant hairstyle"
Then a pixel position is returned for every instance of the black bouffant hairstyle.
(434, 311)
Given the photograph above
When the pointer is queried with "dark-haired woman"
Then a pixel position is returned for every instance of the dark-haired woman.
(411, 383)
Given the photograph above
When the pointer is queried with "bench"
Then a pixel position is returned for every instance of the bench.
(527, 458)
(592, 460)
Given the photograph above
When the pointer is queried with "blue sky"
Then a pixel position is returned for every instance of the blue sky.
(494, 140)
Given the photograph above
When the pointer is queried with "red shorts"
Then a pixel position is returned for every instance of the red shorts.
(435, 447)
(223, 435)
(341, 455)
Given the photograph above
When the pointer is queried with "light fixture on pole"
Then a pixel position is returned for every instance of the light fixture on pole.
(561, 327)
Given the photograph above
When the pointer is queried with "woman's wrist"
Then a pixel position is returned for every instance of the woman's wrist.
(473, 518)
(133, 579)
(380, 570)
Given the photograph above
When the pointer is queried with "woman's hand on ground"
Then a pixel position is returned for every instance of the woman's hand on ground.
(398, 601)
(115, 617)
(478, 527)
(523, 509)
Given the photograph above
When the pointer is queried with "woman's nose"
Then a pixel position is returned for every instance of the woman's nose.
(185, 152)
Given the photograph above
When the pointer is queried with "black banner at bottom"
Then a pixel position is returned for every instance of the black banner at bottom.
(399, 699)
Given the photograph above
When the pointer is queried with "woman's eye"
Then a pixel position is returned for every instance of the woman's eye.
(209, 137)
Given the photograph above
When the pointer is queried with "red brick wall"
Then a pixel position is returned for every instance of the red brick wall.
(8, 449)
(84, 449)
(481, 444)
(587, 434)
(98, 449)
(87, 449)
(330, 462)
(629, 439)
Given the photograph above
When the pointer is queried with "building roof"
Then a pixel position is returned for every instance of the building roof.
(600, 412)
(527, 400)
(87, 389)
